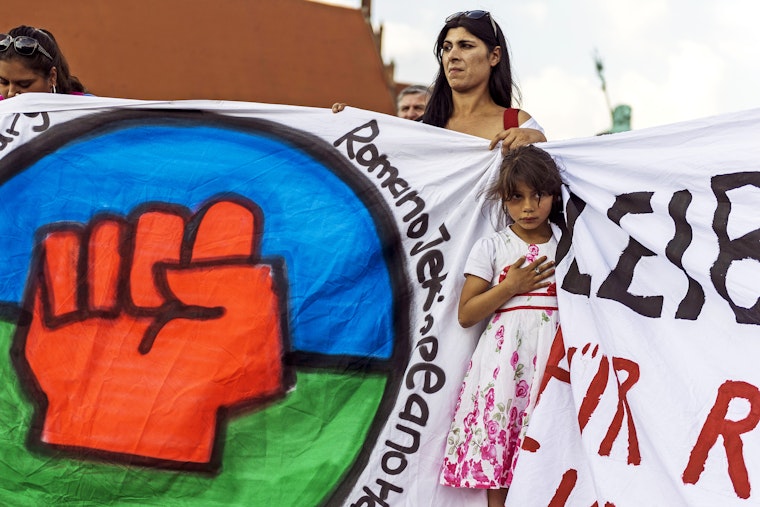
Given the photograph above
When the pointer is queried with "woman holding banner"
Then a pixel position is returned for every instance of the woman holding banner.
(472, 93)
(31, 61)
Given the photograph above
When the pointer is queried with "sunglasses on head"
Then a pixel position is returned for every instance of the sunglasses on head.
(22, 44)
(475, 15)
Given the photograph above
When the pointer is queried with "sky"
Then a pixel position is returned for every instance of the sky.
(669, 60)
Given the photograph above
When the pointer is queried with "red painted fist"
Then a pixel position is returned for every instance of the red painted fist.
(142, 329)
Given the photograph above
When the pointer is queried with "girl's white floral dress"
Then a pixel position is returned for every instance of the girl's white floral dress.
(502, 380)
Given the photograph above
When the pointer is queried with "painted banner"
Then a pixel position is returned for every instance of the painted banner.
(657, 365)
(219, 303)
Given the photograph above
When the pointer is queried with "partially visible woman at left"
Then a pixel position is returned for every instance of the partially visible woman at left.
(31, 61)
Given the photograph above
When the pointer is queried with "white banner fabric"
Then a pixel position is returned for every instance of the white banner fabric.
(651, 395)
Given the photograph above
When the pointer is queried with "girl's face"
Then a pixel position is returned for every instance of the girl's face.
(530, 211)
(466, 60)
(16, 78)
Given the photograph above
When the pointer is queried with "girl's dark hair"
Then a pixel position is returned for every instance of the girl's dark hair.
(500, 84)
(533, 167)
(41, 64)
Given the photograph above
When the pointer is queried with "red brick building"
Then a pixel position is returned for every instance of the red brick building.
(274, 51)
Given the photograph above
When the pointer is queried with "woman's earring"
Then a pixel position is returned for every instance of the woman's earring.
(54, 89)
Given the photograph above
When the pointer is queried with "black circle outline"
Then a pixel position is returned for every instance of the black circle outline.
(95, 125)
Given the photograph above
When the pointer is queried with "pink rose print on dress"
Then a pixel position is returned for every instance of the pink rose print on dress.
(450, 473)
(499, 338)
(506, 458)
(514, 431)
(463, 450)
(513, 441)
(493, 429)
(489, 400)
(514, 461)
(522, 389)
(461, 392)
(488, 452)
(471, 417)
(498, 473)
(510, 474)
(496, 372)
(469, 421)
(532, 253)
(477, 473)
(514, 360)
(501, 439)
(512, 416)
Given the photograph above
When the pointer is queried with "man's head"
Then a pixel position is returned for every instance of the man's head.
(411, 102)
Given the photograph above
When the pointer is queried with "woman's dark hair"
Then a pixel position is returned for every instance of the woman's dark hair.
(41, 64)
(533, 167)
(500, 84)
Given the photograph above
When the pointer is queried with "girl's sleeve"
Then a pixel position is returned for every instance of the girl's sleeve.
(481, 260)
(532, 124)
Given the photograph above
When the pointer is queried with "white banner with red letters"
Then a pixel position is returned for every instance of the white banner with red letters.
(651, 398)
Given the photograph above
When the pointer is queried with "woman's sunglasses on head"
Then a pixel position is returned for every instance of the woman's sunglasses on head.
(475, 15)
(22, 44)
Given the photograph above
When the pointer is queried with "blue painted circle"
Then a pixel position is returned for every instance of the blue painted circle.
(340, 290)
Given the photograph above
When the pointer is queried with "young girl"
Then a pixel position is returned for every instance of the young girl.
(509, 277)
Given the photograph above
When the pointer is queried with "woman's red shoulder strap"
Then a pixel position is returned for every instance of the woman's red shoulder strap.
(510, 118)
